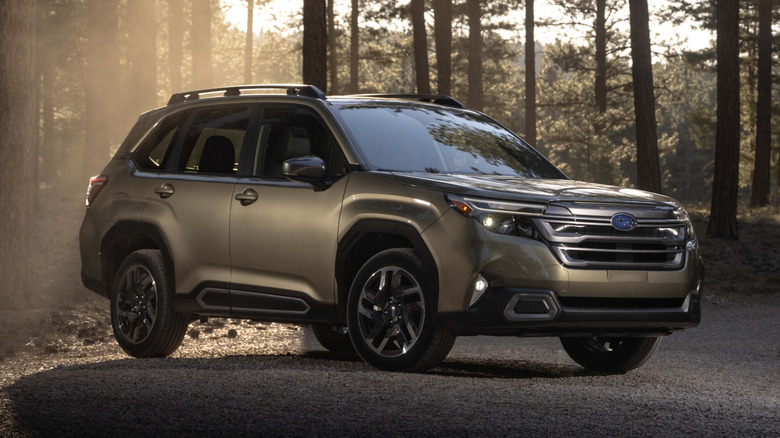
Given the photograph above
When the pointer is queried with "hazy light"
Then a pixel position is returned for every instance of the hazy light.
(274, 13)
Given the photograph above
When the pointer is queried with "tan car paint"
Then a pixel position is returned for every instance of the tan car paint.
(195, 221)
(287, 239)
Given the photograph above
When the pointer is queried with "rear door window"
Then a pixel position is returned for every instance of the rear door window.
(214, 140)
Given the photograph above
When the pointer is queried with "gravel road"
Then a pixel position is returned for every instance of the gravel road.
(721, 379)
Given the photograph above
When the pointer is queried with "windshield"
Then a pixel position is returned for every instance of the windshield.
(420, 138)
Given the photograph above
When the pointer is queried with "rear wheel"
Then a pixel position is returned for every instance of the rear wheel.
(333, 337)
(142, 315)
(610, 355)
(388, 314)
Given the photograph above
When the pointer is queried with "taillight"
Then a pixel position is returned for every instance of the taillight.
(95, 184)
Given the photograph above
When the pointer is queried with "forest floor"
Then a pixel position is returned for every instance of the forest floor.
(64, 316)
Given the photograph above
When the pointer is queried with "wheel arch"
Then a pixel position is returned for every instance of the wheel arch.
(369, 237)
(124, 238)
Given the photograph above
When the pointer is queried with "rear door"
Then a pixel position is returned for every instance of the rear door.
(191, 200)
(283, 239)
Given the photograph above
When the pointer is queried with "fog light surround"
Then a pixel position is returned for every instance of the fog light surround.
(478, 288)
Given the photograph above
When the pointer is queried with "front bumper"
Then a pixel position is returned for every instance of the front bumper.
(537, 312)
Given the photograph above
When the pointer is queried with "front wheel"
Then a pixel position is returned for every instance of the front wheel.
(610, 355)
(142, 315)
(389, 314)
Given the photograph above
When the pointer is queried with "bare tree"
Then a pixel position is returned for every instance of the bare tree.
(18, 151)
(725, 183)
(475, 54)
(333, 67)
(442, 23)
(202, 69)
(420, 47)
(142, 54)
(648, 169)
(353, 48)
(759, 194)
(175, 44)
(250, 41)
(315, 43)
(46, 59)
(530, 74)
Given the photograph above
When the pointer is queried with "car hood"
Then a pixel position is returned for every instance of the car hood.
(525, 189)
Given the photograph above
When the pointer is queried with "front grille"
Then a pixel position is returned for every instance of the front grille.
(534, 307)
(590, 241)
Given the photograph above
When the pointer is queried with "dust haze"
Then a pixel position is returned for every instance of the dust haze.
(98, 70)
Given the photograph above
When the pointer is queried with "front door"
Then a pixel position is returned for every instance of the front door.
(283, 234)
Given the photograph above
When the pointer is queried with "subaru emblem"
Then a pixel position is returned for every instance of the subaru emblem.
(623, 222)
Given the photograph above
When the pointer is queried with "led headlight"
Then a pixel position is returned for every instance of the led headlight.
(501, 217)
(691, 243)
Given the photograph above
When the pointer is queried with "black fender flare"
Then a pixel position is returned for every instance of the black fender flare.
(130, 231)
(386, 227)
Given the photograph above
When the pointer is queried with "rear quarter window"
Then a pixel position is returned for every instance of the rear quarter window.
(155, 150)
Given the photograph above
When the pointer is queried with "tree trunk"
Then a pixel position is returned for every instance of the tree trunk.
(315, 49)
(759, 194)
(725, 183)
(175, 45)
(530, 75)
(601, 58)
(475, 55)
(18, 152)
(648, 172)
(442, 23)
(250, 41)
(353, 49)
(142, 54)
(420, 37)
(333, 67)
(49, 143)
(101, 87)
(202, 69)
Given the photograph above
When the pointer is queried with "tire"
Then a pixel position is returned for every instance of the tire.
(334, 338)
(389, 314)
(610, 355)
(142, 315)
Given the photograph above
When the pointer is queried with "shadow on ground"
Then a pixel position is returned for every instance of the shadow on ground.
(243, 395)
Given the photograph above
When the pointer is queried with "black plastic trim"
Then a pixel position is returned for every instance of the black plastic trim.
(254, 302)
(366, 226)
(128, 229)
(94, 285)
(487, 317)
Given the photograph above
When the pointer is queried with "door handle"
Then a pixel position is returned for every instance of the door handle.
(165, 191)
(247, 197)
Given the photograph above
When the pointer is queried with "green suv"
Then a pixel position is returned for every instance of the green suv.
(390, 223)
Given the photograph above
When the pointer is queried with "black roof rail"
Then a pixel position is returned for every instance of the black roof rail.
(439, 99)
(235, 90)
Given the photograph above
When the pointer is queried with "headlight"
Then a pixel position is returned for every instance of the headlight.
(690, 235)
(502, 217)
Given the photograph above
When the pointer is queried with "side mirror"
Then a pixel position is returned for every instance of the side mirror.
(309, 170)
